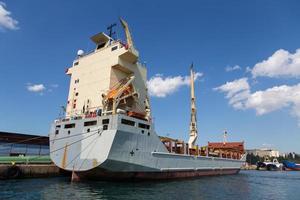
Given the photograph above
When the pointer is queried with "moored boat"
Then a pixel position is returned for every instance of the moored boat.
(269, 165)
(291, 166)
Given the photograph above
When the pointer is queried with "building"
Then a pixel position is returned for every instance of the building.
(16, 144)
(264, 152)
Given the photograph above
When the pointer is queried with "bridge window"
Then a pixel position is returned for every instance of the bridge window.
(145, 126)
(114, 48)
(105, 121)
(128, 122)
(90, 123)
(69, 125)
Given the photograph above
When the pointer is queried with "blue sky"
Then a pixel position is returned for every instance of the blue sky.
(228, 41)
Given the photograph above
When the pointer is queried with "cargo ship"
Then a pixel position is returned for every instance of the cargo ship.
(107, 131)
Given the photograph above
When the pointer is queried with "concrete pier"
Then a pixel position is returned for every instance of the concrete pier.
(8, 171)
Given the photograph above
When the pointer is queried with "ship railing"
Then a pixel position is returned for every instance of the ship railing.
(89, 52)
(78, 114)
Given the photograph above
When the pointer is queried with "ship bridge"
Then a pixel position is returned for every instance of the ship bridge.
(94, 76)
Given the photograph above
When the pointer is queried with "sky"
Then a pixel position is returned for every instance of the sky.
(246, 55)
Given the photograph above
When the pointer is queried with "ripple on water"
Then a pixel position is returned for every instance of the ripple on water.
(246, 185)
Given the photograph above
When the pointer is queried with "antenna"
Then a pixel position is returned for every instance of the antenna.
(110, 30)
(225, 137)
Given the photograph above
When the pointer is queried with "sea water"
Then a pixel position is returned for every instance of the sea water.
(258, 185)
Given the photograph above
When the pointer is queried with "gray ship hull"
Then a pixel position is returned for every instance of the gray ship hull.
(128, 152)
(102, 174)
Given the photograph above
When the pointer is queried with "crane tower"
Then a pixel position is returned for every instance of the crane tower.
(193, 123)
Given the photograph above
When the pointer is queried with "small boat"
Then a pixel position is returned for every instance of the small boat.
(291, 166)
(268, 165)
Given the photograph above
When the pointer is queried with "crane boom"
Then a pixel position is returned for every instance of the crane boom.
(193, 123)
(127, 32)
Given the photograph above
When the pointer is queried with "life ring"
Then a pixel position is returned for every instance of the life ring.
(12, 172)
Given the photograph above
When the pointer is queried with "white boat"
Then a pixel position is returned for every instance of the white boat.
(270, 165)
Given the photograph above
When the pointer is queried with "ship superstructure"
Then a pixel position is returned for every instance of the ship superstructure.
(108, 78)
(107, 131)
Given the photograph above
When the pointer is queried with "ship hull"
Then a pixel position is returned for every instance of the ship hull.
(128, 152)
(291, 166)
(102, 174)
(292, 169)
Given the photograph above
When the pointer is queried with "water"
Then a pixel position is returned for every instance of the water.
(256, 185)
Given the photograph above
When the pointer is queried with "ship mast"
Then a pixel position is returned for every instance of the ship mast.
(225, 137)
(193, 123)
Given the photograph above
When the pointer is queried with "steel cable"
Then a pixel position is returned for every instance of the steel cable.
(64, 146)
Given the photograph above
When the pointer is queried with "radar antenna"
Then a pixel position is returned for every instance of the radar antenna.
(110, 30)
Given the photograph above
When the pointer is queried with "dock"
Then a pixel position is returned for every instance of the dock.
(26, 156)
(8, 171)
(28, 167)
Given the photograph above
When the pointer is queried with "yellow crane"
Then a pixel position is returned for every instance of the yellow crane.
(193, 123)
(127, 33)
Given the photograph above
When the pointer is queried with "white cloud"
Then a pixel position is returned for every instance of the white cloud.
(6, 21)
(159, 86)
(233, 68)
(280, 64)
(38, 88)
(263, 101)
(236, 91)
(275, 98)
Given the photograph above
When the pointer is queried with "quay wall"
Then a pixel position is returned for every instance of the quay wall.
(8, 171)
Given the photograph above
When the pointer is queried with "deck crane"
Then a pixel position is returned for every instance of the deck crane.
(127, 33)
(193, 123)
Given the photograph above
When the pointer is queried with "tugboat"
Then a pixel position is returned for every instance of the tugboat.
(107, 131)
